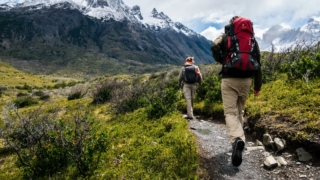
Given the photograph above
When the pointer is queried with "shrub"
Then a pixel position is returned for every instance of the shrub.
(162, 102)
(60, 85)
(46, 145)
(38, 93)
(77, 93)
(103, 92)
(2, 89)
(130, 98)
(71, 83)
(25, 101)
(45, 97)
(21, 94)
(24, 87)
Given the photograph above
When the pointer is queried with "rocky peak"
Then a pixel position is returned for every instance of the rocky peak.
(154, 13)
(97, 3)
(310, 20)
(135, 10)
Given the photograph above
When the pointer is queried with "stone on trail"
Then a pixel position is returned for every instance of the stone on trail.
(267, 140)
(255, 148)
(270, 162)
(279, 143)
(258, 143)
(303, 155)
(281, 160)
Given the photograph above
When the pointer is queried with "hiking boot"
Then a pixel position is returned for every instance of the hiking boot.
(238, 147)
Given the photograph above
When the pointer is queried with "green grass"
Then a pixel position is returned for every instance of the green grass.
(139, 148)
(12, 77)
(290, 107)
(149, 149)
(164, 148)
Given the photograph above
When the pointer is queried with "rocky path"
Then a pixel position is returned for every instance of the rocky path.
(215, 153)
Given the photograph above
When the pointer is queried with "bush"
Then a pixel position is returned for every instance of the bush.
(25, 101)
(130, 98)
(38, 93)
(21, 94)
(60, 85)
(162, 102)
(45, 97)
(103, 92)
(2, 89)
(24, 87)
(77, 93)
(46, 145)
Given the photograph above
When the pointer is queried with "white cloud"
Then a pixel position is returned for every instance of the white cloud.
(264, 13)
(212, 33)
(316, 18)
(258, 32)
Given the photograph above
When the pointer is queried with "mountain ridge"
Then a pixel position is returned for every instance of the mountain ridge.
(281, 37)
(56, 36)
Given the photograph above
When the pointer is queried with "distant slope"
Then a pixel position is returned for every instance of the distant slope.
(53, 39)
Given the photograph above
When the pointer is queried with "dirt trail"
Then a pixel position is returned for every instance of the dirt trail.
(215, 153)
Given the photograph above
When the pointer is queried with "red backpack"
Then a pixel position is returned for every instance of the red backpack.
(241, 60)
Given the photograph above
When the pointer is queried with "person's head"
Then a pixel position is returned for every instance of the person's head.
(233, 18)
(190, 59)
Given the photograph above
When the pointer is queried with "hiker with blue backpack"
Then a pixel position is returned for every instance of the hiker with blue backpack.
(239, 53)
(189, 78)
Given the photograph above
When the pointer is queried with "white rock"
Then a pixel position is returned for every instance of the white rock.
(258, 143)
(279, 143)
(281, 160)
(266, 139)
(270, 162)
(255, 148)
(266, 154)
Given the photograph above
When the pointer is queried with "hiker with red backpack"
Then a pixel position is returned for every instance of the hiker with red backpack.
(189, 78)
(239, 53)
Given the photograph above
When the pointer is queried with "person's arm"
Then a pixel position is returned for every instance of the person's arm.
(199, 74)
(217, 47)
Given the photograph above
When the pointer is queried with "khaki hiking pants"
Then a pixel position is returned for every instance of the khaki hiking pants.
(235, 92)
(189, 91)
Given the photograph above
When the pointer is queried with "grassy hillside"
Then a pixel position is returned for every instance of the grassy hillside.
(288, 109)
(118, 141)
(130, 126)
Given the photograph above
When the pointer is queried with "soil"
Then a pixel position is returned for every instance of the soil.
(214, 149)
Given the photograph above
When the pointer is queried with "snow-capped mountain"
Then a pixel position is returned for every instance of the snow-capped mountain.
(106, 10)
(60, 34)
(282, 37)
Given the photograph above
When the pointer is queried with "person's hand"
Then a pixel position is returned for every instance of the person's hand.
(256, 92)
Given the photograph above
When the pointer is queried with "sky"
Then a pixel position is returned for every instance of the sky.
(208, 17)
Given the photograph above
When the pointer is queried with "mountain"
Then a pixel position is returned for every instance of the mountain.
(93, 36)
(282, 37)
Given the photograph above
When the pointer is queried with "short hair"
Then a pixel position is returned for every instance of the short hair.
(190, 59)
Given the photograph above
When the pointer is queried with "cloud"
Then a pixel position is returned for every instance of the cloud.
(258, 32)
(212, 33)
(203, 15)
(264, 13)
